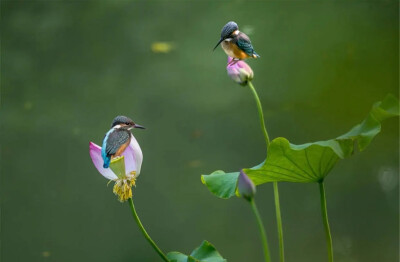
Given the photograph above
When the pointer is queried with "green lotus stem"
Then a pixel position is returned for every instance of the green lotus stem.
(260, 113)
(152, 243)
(276, 191)
(325, 220)
(262, 230)
(279, 223)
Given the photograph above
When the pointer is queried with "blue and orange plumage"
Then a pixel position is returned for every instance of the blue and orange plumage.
(117, 138)
(236, 44)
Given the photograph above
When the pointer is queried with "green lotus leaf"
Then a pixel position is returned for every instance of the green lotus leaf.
(206, 252)
(312, 162)
(221, 184)
(309, 162)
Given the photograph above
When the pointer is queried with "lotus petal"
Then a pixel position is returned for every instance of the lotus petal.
(95, 154)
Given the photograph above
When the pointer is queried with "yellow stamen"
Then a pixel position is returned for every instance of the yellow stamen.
(123, 188)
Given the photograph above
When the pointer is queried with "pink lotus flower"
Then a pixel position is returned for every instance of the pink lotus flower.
(123, 170)
(239, 71)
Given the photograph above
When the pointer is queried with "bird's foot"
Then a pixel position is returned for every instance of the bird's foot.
(233, 61)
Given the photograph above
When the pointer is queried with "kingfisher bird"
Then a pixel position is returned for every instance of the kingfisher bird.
(235, 43)
(117, 138)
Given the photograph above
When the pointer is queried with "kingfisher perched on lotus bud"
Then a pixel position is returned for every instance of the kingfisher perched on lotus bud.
(235, 43)
(117, 138)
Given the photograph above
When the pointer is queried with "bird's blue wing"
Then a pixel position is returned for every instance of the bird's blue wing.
(244, 43)
(113, 140)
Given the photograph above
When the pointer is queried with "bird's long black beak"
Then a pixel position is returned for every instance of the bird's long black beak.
(219, 42)
(139, 126)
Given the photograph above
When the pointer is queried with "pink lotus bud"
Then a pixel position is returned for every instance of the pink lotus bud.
(239, 71)
(246, 187)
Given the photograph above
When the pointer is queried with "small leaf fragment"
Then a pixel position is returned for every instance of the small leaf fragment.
(206, 252)
(221, 184)
(177, 257)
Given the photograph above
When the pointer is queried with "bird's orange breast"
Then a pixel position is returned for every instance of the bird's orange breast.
(121, 149)
(233, 50)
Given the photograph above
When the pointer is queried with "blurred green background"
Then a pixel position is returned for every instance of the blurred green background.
(68, 68)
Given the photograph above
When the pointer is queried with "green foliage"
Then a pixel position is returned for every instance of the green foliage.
(221, 184)
(206, 252)
(295, 163)
(309, 162)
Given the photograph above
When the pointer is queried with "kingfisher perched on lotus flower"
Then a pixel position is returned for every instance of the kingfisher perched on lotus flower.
(117, 138)
(235, 43)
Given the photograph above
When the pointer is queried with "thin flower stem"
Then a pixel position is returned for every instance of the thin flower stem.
(279, 223)
(276, 191)
(325, 220)
(135, 216)
(260, 113)
(262, 230)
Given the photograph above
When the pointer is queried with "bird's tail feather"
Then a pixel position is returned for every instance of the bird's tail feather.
(255, 55)
(106, 162)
